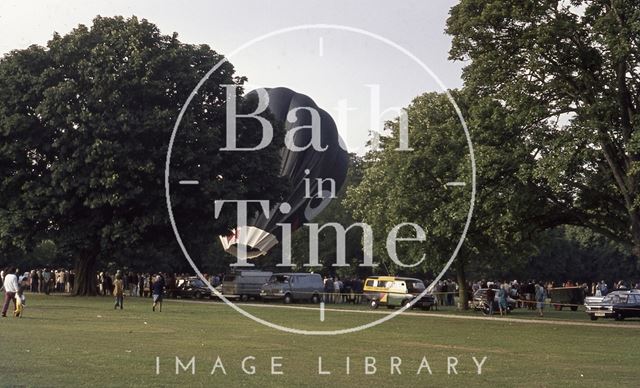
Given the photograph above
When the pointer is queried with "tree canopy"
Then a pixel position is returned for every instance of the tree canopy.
(572, 65)
(84, 127)
(399, 187)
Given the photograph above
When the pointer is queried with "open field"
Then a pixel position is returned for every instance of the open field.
(66, 341)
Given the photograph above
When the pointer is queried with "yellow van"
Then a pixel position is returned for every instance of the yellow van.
(394, 291)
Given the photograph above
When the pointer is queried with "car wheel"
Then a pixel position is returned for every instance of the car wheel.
(288, 299)
(373, 304)
(574, 308)
(244, 297)
(593, 317)
(485, 308)
(315, 299)
(619, 317)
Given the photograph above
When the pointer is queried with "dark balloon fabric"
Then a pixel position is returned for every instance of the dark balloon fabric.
(311, 165)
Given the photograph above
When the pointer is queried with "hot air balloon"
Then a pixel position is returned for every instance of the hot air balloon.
(305, 170)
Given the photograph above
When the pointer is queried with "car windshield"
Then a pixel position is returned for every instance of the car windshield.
(279, 279)
(197, 283)
(415, 286)
(615, 298)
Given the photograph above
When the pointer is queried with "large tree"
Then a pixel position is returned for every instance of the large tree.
(400, 187)
(85, 125)
(579, 254)
(574, 65)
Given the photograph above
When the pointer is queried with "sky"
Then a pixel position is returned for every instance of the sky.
(359, 60)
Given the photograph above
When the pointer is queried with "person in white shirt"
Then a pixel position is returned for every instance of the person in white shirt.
(10, 289)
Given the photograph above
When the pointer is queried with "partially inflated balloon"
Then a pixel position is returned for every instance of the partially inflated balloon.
(305, 170)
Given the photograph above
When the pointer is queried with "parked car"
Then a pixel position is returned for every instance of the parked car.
(290, 287)
(394, 291)
(592, 299)
(567, 297)
(191, 287)
(618, 304)
(244, 284)
(479, 302)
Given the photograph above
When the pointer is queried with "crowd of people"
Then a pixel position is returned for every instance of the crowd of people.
(519, 289)
(44, 280)
(528, 294)
(339, 291)
(47, 281)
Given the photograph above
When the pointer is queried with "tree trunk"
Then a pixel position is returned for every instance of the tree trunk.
(85, 280)
(463, 297)
(635, 232)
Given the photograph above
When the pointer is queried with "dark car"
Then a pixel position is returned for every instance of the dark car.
(619, 305)
(293, 286)
(192, 287)
(479, 302)
(570, 297)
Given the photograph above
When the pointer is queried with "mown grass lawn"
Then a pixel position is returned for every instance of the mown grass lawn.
(67, 341)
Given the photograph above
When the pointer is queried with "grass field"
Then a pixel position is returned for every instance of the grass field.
(67, 341)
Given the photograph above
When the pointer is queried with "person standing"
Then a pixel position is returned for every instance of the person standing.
(35, 281)
(133, 282)
(10, 284)
(46, 281)
(65, 280)
(604, 289)
(540, 298)
(140, 284)
(60, 281)
(107, 284)
(502, 300)
(148, 282)
(157, 290)
(357, 290)
(327, 288)
(118, 291)
(337, 287)
(72, 280)
(491, 296)
(39, 287)
(451, 291)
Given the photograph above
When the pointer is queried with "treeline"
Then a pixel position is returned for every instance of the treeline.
(550, 99)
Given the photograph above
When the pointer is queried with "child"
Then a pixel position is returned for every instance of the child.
(21, 300)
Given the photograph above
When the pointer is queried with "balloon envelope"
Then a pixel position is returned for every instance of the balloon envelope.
(315, 176)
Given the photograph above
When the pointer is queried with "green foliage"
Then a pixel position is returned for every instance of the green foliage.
(572, 65)
(400, 187)
(578, 254)
(85, 125)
